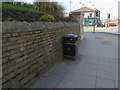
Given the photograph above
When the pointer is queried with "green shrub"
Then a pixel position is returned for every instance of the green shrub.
(70, 19)
(48, 18)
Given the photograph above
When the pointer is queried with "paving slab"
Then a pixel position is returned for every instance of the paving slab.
(96, 65)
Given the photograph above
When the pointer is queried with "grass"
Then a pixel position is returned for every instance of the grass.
(21, 8)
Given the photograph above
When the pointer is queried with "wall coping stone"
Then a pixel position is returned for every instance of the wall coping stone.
(50, 25)
(70, 23)
(19, 26)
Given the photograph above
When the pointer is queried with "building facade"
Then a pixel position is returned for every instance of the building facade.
(91, 16)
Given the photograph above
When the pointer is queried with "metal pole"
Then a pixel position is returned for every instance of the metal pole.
(107, 21)
(94, 27)
(80, 4)
(94, 24)
(70, 6)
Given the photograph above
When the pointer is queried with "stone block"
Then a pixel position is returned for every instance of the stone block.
(15, 55)
(6, 85)
(20, 59)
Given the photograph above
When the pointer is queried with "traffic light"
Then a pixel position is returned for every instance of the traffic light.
(108, 15)
(96, 12)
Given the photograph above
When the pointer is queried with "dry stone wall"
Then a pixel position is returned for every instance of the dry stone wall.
(31, 49)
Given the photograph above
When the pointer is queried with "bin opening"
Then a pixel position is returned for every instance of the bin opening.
(71, 35)
(70, 38)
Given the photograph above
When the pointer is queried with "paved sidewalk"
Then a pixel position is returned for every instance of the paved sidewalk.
(96, 66)
(103, 29)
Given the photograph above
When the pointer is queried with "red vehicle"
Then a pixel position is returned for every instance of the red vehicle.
(112, 24)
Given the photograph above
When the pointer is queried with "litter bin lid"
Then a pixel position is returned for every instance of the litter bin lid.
(71, 35)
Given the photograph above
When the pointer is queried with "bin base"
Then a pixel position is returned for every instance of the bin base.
(70, 57)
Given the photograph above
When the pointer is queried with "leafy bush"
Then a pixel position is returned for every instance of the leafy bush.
(48, 18)
(70, 19)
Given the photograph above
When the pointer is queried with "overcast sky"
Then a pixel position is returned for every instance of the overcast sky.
(105, 6)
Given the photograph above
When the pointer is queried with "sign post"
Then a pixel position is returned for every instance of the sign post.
(94, 21)
(108, 19)
(94, 26)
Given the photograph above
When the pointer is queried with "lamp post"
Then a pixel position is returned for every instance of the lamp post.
(80, 4)
(70, 6)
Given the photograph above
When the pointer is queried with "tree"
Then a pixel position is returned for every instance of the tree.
(52, 8)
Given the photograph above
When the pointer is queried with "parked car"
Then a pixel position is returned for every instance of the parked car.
(100, 25)
(112, 24)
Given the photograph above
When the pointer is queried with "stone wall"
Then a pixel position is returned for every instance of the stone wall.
(80, 18)
(30, 49)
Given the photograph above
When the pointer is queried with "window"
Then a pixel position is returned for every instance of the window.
(90, 14)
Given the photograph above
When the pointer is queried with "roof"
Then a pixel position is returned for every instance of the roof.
(84, 9)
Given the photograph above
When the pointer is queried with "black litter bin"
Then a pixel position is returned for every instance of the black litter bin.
(70, 47)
